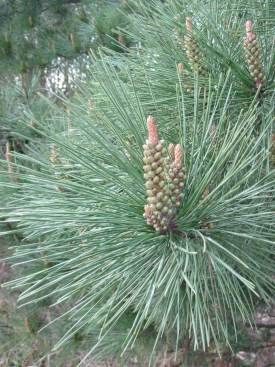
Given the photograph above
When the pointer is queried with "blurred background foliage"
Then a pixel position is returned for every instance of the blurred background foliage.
(44, 48)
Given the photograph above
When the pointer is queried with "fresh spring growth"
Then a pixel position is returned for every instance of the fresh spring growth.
(253, 55)
(192, 49)
(164, 178)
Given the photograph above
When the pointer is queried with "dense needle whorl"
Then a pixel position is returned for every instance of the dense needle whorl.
(163, 177)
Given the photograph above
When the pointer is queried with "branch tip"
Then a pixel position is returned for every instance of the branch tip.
(188, 24)
(152, 130)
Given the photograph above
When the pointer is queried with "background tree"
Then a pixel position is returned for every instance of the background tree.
(44, 46)
(33, 33)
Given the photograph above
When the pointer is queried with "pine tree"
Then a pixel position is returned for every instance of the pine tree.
(44, 46)
(157, 199)
(35, 32)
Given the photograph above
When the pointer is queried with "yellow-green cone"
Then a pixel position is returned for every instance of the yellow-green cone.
(163, 180)
(192, 50)
(176, 176)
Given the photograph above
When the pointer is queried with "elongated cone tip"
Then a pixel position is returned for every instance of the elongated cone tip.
(8, 158)
(8, 152)
(249, 32)
(178, 155)
(180, 68)
(152, 130)
(188, 24)
(171, 150)
(248, 26)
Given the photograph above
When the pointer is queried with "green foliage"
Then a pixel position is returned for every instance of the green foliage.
(17, 97)
(33, 33)
(79, 200)
(44, 46)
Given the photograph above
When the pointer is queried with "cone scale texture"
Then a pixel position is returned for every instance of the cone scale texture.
(163, 175)
(192, 49)
(253, 55)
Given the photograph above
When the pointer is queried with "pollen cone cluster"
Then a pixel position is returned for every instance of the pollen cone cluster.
(253, 54)
(192, 49)
(176, 174)
(164, 178)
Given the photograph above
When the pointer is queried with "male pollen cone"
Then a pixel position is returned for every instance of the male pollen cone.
(249, 27)
(188, 24)
(178, 154)
(152, 130)
(171, 149)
